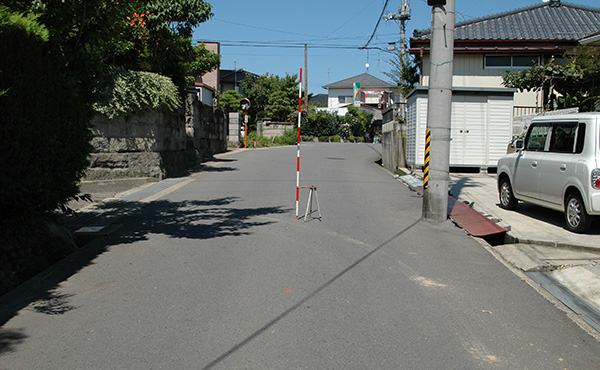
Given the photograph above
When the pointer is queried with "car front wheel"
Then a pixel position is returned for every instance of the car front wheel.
(507, 199)
(576, 216)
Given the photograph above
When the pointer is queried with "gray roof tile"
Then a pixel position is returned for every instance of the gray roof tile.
(365, 79)
(569, 22)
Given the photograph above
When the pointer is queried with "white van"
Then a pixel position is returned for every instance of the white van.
(556, 165)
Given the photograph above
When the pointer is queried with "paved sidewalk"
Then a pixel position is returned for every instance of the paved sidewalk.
(528, 223)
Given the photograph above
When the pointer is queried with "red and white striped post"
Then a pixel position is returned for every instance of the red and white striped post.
(298, 156)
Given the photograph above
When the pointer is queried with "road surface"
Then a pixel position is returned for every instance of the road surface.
(217, 273)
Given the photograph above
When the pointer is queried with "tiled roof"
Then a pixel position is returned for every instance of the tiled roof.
(229, 75)
(365, 79)
(543, 21)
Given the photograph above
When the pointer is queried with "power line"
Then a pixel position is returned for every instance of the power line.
(377, 25)
(262, 28)
(348, 21)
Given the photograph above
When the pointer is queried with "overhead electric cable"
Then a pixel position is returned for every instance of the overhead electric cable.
(263, 28)
(348, 21)
(377, 25)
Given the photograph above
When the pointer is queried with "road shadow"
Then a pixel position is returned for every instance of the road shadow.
(190, 219)
(457, 186)
(304, 300)
(10, 339)
(550, 216)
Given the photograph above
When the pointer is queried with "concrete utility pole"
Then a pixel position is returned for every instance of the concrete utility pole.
(403, 16)
(435, 197)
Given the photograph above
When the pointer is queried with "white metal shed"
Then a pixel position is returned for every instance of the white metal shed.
(481, 126)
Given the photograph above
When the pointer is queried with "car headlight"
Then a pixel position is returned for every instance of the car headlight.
(596, 178)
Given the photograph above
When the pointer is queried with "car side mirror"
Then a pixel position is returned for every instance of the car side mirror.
(519, 144)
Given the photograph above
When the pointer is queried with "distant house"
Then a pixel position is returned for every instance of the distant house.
(230, 79)
(373, 93)
(486, 48)
(319, 99)
(373, 96)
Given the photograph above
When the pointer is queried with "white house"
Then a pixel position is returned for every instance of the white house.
(373, 92)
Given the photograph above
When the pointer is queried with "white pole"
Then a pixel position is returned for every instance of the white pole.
(298, 155)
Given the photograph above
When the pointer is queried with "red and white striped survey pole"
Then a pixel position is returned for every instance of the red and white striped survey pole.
(298, 156)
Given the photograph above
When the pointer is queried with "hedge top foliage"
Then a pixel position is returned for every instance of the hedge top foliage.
(44, 132)
(126, 93)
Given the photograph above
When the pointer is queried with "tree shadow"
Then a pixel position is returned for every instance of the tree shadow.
(53, 303)
(190, 219)
(10, 339)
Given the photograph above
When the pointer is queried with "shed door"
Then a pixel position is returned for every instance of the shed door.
(468, 131)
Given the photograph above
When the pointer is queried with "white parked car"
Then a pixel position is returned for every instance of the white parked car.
(556, 165)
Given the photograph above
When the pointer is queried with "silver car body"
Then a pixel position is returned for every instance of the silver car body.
(559, 155)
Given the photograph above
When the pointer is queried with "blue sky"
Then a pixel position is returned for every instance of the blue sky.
(268, 36)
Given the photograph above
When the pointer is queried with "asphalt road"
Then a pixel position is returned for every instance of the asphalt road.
(217, 273)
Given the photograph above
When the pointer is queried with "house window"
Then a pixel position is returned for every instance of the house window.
(511, 62)
(345, 99)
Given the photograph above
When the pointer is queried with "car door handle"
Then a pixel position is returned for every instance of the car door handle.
(563, 167)
(534, 164)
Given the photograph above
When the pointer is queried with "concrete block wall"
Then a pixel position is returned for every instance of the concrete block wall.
(392, 155)
(271, 129)
(156, 144)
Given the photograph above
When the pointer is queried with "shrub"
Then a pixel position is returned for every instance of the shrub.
(290, 137)
(336, 139)
(230, 99)
(127, 93)
(46, 110)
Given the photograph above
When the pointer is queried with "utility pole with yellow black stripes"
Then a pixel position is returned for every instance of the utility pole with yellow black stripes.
(435, 196)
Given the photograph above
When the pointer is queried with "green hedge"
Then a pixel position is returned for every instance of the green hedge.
(127, 93)
(44, 131)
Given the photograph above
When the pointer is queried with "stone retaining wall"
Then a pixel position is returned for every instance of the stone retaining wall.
(156, 144)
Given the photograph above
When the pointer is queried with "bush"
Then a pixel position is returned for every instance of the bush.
(127, 93)
(230, 99)
(336, 139)
(46, 110)
(290, 137)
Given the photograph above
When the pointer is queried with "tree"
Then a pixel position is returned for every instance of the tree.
(359, 121)
(140, 35)
(573, 84)
(58, 57)
(230, 99)
(279, 106)
(260, 90)
(404, 73)
(46, 110)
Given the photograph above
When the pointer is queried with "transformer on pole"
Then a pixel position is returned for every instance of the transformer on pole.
(403, 16)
